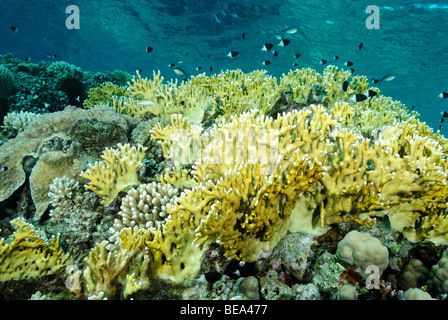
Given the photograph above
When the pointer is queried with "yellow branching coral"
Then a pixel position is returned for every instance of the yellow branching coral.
(376, 113)
(342, 112)
(180, 178)
(238, 92)
(248, 178)
(244, 200)
(144, 89)
(324, 173)
(117, 171)
(104, 94)
(153, 97)
(29, 255)
(364, 178)
(106, 268)
(332, 80)
(301, 84)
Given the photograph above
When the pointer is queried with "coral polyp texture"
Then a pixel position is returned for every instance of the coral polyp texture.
(180, 180)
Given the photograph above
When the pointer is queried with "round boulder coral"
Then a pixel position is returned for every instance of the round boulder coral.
(363, 250)
(439, 274)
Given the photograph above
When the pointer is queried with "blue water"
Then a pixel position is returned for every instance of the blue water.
(411, 42)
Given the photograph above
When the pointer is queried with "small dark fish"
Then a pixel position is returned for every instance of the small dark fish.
(243, 36)
(443, 95)
(345, 86)
(444, 114)
(323, 61)
(211, 68)
(412, 107)
(232, 54)
(199, 68)
(149, 49)
(386, 222)
(275, 53)
(171, 65)
(348, 63)
(359, 97)
(212, 276)
(360, 46)
(53, 56)
(27, 59)
(297, 55)
(352, 70)
(139, 70)
(440, 127)
(336, 57)
(266, 62)
(284, 42)
(370, 93)
(295, 64)
(13, 28)
(180, 72)
(442, 120)
(267, 47)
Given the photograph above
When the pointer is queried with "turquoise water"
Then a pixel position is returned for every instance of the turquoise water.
(411, 42)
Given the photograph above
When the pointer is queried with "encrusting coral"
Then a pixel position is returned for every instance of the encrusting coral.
(49, 140)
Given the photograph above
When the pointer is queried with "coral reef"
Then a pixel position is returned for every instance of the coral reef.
(48, 86)
(230, 186)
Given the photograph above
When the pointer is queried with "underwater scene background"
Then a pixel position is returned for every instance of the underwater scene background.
(105, 104)
(410, 43)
